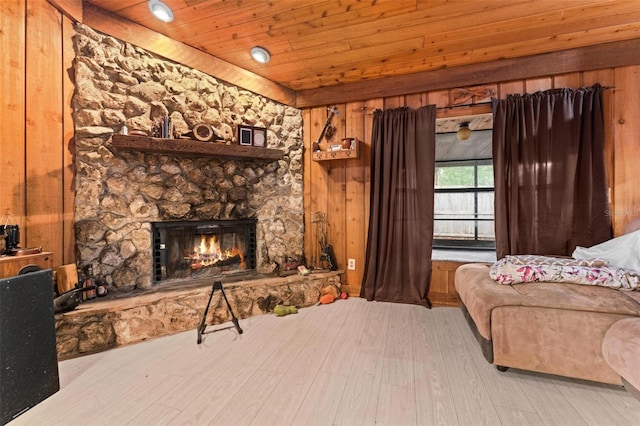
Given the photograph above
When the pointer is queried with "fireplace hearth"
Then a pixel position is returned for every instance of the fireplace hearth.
(186, 250)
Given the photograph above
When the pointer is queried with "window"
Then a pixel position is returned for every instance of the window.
(463, 204)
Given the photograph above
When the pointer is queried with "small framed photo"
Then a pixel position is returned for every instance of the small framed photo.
(259, 136)
(245, 135)
(252, 136)
(336, 147)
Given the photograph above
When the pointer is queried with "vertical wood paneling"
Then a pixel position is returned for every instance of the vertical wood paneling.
(68, 254)
(626, 146)
(44, 157)
(536, 84)
(572, 80)
(510, 88)
(309, 227)
(12, 106)
(417, 100)
(394, 102)
(319, 181)
(354, 202)
(336, 202)
(605, 78)
(619, 139)
(371, 105)
(442, 290)
(439, 98)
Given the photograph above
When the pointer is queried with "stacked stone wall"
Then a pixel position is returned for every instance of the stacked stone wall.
(118, 193)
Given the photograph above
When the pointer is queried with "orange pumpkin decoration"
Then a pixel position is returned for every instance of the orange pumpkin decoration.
(327, 298)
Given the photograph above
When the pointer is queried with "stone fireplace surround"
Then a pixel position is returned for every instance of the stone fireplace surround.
(119, 193)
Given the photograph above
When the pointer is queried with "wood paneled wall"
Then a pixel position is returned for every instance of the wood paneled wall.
(36, 141)
(36, 129)
(341, 188)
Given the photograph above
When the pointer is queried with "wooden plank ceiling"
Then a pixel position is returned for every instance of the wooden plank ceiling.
(321, 43)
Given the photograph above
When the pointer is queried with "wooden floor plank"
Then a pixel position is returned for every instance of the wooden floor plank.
(407, 365)
(321, 402)
(277, 347)
(473, 405)
(360, 398)
(285, 400)
(434, 398)
(587, 399)
(154, 415)
(510, 416)
(246, 403)
(397, 365)
(396, 405)
(550, 404)
(343, 350)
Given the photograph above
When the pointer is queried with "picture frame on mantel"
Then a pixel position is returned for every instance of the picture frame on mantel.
(252, 136)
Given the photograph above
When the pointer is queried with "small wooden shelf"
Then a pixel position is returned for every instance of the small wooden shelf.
(190, 147)
(343, 154)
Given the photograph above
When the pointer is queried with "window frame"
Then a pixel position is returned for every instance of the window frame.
(475, 244)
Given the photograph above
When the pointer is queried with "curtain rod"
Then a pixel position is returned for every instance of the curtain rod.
(364, 107)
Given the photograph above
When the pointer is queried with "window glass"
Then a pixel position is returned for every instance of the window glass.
(451, 176)
(485, 176)
(464, 204)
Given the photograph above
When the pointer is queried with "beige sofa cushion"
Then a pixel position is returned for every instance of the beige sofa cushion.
(480, 295)
(621, 350)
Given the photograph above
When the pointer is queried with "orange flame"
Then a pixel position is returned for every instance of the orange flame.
(208, 253)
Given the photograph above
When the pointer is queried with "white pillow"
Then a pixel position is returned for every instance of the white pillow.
(620, 252)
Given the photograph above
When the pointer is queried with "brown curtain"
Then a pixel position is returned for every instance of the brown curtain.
(398, 258)
(549, 170)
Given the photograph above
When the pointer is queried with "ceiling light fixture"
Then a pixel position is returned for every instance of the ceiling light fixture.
(260, 54)
(464, 132)
(161, 10)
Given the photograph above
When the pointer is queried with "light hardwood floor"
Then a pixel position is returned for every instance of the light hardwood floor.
(351, 362)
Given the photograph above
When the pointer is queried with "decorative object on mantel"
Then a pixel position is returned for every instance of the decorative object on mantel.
(202, 132)
(165, 129)
(137, 132)
(252, 136)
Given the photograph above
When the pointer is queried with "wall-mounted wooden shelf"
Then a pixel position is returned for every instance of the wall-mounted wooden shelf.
(343, 154)
(191, 147)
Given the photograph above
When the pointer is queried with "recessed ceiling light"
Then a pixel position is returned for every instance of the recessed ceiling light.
(260, 54)
(161, 10)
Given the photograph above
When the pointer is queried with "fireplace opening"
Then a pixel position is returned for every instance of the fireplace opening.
(202, 249)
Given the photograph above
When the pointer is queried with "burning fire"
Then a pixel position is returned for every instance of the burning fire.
(209, 253)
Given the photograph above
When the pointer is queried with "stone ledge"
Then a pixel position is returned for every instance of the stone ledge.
(106, 323)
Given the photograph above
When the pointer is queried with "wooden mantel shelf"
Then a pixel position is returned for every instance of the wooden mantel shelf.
(190, 147)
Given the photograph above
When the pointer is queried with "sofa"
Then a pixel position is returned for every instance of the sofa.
(554, 327)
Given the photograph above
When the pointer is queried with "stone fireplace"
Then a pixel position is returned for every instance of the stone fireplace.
(187, 250)
(131, 203)
(121, 194)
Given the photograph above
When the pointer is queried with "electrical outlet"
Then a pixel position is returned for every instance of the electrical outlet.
(351, 265)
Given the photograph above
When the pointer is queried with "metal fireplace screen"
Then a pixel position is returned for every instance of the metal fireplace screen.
(185, 250)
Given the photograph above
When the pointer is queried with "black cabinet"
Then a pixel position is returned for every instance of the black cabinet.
(28, 359)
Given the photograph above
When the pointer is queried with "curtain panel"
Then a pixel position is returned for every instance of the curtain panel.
(400, 235)
(549, 171)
